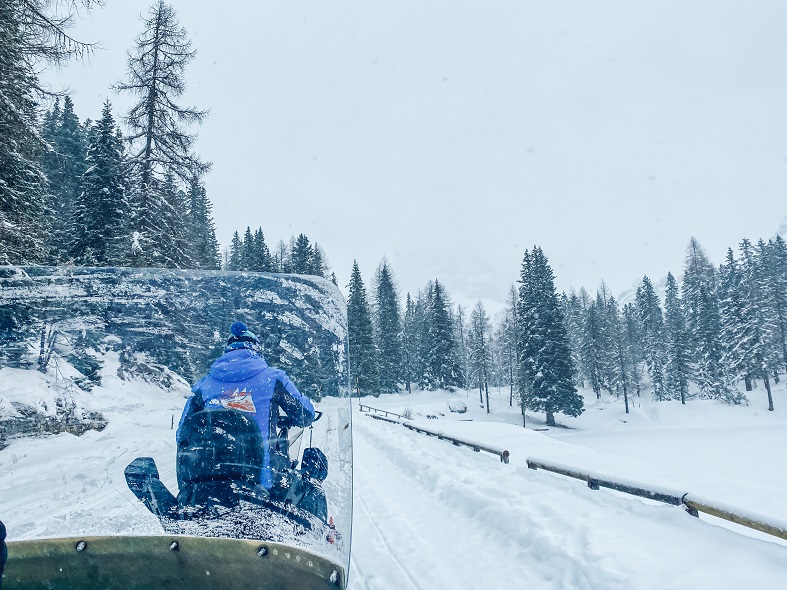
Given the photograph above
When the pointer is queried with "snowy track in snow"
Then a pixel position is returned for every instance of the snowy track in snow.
(431, 515)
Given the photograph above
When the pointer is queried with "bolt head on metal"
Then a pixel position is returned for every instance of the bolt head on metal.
(81, 546)
(262, 551)
(174, 546)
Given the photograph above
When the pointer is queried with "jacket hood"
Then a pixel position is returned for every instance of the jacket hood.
(237, 365)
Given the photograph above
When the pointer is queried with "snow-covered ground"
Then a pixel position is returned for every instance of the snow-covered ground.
(431, 515)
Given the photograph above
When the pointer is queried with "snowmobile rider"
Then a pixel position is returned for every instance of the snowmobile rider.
(241, 380)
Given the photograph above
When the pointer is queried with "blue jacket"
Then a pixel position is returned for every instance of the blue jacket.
(242, 380)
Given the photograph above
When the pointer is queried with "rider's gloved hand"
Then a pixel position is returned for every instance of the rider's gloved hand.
(284, 422)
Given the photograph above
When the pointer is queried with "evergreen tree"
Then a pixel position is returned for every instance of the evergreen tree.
(236, 251)
(651, 321)
(443, 369)
(363, 354)
(101, 209)
(703, 323)
(757, 330)
(301, 256)
(162, 146)
(410, 333)
(247, 254)
(546, 369)
(479, 350)
(594, 348)
(388, 330)
(574, 315)
(318, 265)
(262, 256)
(201, 229)
(776, 269)
(65, 178)
(677, 369)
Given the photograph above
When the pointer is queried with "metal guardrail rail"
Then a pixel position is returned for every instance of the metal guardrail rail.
(386, 412)
(692, 503)
(476, 446)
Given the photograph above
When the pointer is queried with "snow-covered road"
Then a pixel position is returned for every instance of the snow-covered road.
(431, 515)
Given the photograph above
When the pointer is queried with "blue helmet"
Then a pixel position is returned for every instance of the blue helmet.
(241, 337)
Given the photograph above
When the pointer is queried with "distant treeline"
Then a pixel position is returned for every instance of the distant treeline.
(703, 337)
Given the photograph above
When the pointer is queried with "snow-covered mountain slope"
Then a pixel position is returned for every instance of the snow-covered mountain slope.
(431, 515)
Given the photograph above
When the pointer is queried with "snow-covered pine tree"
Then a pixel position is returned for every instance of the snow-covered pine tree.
(301, 255)
(162, 146)
(574, 315)
(363, 353)
(651, 322)
(546, 369)
(101, 211)
(677, 370)
(423, 305)
(756, 341)
(65, 179)
(479, 350)
(32, 34)
(235, 253)
(387, 329)
(442, 361)
(703, 323)
(262, 256)
(776, 265)
(410, 332)
(318, 264)
(247, 253)
(203, 243)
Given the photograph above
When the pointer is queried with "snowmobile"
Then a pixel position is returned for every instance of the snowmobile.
(101, 509)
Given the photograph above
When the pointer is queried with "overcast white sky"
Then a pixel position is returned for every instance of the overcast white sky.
(451, 135)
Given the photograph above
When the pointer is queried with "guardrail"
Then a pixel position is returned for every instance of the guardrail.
(692, 503)
(459, 442)
(386, 412)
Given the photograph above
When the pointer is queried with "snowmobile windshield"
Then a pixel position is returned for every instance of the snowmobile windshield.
(127, 429)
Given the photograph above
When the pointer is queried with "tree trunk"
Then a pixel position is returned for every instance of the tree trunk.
(775, 376)
(768, 389)
(524, 418)
(551, 418)
(486, 387)
(481, 392)
(626, 397)
(747, 382)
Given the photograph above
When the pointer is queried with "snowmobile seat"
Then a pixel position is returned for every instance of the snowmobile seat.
(219, 445)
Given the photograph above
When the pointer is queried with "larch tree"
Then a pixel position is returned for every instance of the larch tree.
(162, 146)
(480, 350)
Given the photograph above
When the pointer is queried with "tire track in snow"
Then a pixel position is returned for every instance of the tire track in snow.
(459, 537)
(387, 545)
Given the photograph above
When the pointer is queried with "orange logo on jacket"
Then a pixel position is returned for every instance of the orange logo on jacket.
(239, 400)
